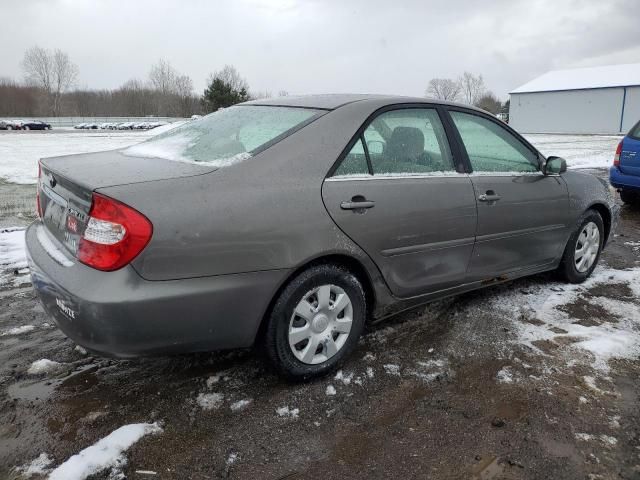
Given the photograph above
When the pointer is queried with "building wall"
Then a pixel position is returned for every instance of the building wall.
(631, 108)
(572, 111)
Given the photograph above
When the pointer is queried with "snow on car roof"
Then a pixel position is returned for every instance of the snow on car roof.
(583, 78)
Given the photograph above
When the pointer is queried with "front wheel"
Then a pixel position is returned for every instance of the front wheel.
(582, 252)
(315, 322)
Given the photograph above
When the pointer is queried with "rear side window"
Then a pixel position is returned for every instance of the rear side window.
(409, 141)
(355, 163)
(492, 148)
(226, 136)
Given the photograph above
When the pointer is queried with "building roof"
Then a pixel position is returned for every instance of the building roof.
(584, 78)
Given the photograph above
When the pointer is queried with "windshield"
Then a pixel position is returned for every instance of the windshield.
(226, 136)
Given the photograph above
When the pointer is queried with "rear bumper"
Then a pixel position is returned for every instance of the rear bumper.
(623, 181)
(120, 314)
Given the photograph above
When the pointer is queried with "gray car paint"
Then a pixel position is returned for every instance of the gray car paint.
(262, 220)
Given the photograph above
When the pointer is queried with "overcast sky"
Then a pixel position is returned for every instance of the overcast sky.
(320, 46)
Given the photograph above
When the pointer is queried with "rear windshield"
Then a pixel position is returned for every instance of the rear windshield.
(226, 136)
(635, 131)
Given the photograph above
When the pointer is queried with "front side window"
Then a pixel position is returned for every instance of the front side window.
(492, 148)
(225, 136)
(408, 141)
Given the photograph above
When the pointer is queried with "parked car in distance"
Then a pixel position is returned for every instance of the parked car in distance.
(624, 174)
(80, 126)
(11, 124)
(293, 222)
(5, 124)
(35, 125)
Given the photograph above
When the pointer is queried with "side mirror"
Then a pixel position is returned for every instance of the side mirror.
(554, 166)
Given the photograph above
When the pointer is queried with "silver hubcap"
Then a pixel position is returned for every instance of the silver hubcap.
(320, 324)
(587, 247)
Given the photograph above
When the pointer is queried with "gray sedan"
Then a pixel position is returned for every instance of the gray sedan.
(294, 222)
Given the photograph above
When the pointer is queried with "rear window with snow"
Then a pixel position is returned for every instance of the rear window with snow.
(226, 136)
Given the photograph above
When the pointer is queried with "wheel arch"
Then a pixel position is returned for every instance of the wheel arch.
(607, 218)
(349, 262)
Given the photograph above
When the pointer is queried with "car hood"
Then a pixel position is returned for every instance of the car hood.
(107, 169)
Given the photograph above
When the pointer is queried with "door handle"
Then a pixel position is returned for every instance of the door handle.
(490, 196)
(357, 205)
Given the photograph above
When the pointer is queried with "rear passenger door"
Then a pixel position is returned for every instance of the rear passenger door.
(522, 214)
(396, 192)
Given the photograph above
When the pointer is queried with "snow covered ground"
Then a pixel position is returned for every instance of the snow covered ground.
(580, 151)
(20, 151)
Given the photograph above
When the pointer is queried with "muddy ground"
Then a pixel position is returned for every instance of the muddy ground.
(424, 396)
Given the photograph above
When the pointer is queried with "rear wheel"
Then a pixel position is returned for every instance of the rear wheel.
(582, 252)
(629, 197)
(26, 127)
(315, 322)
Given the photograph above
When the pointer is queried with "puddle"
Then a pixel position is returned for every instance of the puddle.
(79, 380)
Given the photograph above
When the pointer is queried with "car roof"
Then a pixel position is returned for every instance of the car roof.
(336, 100)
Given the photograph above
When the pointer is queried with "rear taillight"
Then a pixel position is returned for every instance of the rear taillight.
(38, 206)
(616, 159)
(115, 234)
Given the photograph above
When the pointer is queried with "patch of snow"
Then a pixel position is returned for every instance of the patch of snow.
(232, 458)
(288, 412)
(612, 441)
(618, 339)
(18, 330)
(369, 357)
(39, 466)
(505, 375)
(392, 369)
(42, 366)
(210, 401)
(585, 437)
(80, 350)
(580, 151)
(240, 405)
(370, 372)
(331, 390)
(106, 453)
(12, 253)
(344, 378)
(583, 400)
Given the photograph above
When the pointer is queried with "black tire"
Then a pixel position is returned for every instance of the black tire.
(276, 336)
(630, 198)
(567, 269)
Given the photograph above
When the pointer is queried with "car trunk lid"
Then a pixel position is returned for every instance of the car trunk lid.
(66, 186)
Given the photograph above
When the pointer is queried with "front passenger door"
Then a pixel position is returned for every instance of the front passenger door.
(522, 213)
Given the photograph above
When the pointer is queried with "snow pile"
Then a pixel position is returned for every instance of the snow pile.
(12, 253)
(430, 370)
(106, 453)
(18, 330)
(288, 412)
(210, 401)
(39, 466)
(603, 340)
(240, 405)
(331, 390)
(43, 366)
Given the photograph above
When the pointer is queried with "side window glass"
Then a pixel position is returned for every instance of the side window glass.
(355, 163)
(410, 141)
(492, 148)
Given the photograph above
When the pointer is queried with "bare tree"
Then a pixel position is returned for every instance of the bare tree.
(163, 77)
(472, 87)
(443, 89)
(489, 102)
(53, 72)
(230, 76)
(283, 93)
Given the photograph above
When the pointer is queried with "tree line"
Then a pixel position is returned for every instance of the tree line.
(50, 88)
(467, 88)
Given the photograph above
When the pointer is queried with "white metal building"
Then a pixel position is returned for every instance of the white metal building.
(578, 100)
